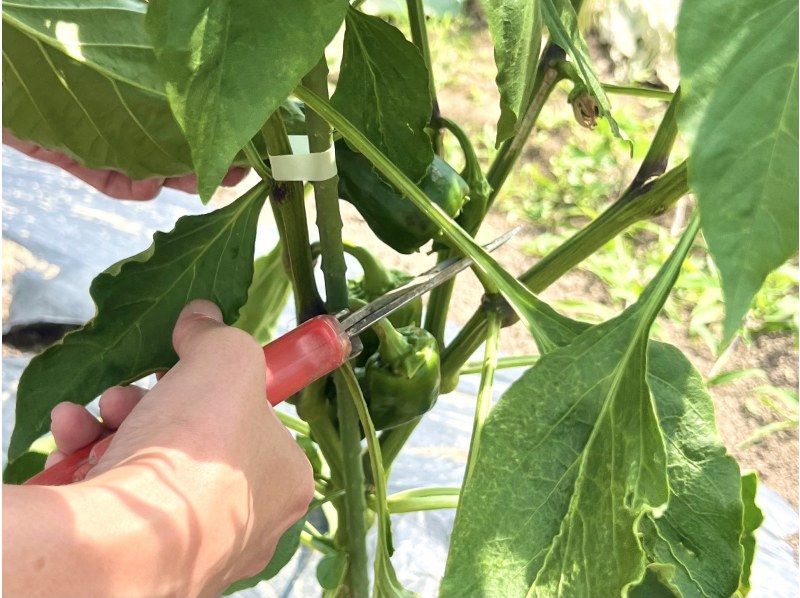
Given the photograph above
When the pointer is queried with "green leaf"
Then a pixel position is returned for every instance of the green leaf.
(266, 297)
(25, 466)
(752, 518)
(228, 65)
(209, 256)
(331, 569)
(698, 534)
(573, 457)
(81, 77)
(383, 90)
(284, 551)
(738, 65)
(562, 23)
(516, 28)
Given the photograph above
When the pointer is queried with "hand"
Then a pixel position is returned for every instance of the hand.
(200, 469)
(113, 183)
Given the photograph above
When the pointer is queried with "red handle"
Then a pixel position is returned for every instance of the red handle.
(294, 360)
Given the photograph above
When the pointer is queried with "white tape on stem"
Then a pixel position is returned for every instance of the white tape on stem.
(303, 164)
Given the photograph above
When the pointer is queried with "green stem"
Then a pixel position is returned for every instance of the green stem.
(326, 196)
(393, 346)
(439, 303)
(651, 199)
(456, 236)
(257, 162)
(639, 92)
(517, 361)
(423, 499)
(547, 76)
(657, 158)
(294, 423)
(484, 401)
(374, 451)
(419, 35)
(352, 531)
(377, 279)
(288, 204)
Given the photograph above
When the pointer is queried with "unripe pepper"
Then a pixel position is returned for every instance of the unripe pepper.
(391, 216)
(401, 379)
(376, 282)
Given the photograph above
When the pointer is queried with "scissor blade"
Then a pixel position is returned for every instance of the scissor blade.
(365, 317)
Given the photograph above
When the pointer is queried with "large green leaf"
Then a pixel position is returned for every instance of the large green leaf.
(562, 23)
(752, 517)
(81, 77)
(228, 64)
(571, 459)
(739, 83)
(284, 551)
(209, 256)
(383, 90)
(516, 28)
(698, 535)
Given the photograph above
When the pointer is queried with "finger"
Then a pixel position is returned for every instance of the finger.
(117, 402)
(235, 176)
(73, 427)
(160, 374)
(197, 317)
(54, 458)
(186, 183)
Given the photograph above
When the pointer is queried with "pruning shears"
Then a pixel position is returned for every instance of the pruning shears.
(306, 353)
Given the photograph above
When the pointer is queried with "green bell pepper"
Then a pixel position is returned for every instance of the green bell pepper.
(401, 380)
(392, 217)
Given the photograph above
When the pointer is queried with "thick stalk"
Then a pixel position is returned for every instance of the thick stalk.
(419, 35)
(287, 201)
(326, 196)
(547, 76)
(439, 303)
(483, 404)
(638, 92)
(352, 533)
(650, 200)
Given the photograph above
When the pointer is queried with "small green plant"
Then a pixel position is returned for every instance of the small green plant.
(599, 472)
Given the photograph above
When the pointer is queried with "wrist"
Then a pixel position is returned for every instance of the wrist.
(166, 521)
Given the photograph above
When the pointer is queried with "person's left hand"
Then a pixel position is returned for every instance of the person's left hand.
(113, 183)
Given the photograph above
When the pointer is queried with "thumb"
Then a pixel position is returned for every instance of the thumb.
(195, 320)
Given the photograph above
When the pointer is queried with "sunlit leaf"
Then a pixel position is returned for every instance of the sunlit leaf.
(383, 90)
(516, 28)
(738, 65)
(81, 77)
(228, 64)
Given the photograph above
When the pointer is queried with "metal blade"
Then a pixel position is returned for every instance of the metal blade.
(365, 317)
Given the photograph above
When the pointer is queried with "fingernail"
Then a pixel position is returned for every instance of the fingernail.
(203, 308)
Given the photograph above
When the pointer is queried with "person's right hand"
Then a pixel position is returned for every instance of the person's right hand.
(233, 471)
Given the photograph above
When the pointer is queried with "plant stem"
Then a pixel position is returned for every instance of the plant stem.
(352, 531)
(257, 162)
(288, 203)
(651, 199)
(419, 35)
(657, 158)
(640, 92)
(547, 76)
(423, 499)
(326, 196)
(483, 404)
(439, 303)
(516, 361)
(293, 423)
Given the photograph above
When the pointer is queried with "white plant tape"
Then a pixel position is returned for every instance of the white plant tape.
(303, 164)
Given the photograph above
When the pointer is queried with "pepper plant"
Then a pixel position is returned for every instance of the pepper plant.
(599, 472)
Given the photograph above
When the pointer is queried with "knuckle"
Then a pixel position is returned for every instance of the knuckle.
(235, 345)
